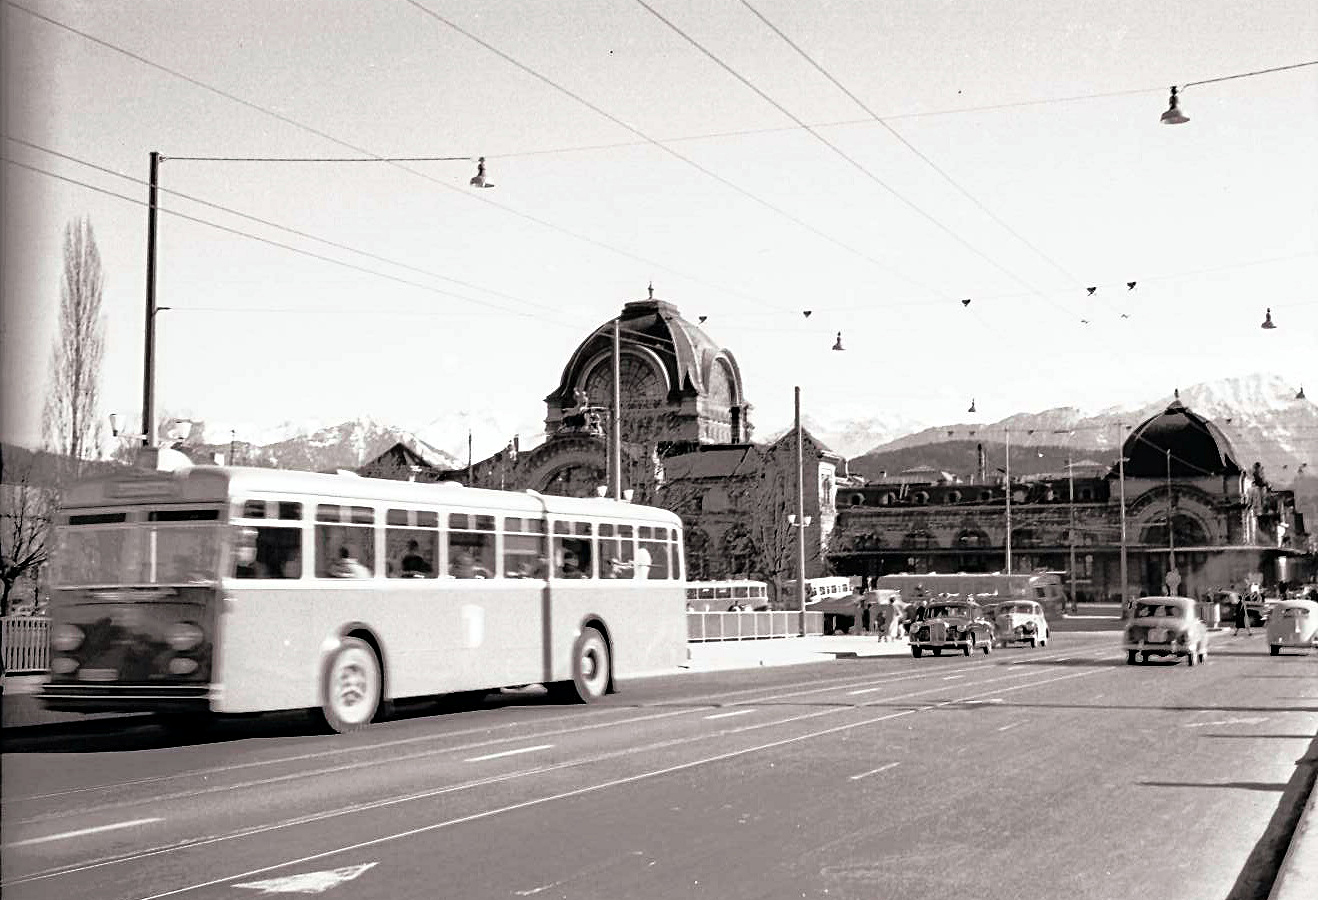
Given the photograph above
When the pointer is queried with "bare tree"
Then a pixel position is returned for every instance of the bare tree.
(25, 516)
(71, 425)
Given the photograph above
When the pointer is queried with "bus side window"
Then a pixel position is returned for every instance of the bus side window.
(524, 548)
(411, 544)
(653, 552)
(345, 549)
(268, 552)
(471, 546)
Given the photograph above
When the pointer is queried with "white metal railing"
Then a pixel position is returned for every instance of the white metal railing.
(24, 641)
(749, 626)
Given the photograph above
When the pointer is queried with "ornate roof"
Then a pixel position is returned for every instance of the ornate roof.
(1198, 447)
(691, 363)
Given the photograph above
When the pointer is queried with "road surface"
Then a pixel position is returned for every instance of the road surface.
(1029, 773)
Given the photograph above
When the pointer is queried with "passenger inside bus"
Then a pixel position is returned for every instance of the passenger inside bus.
(414, 564)
(464, 566)
(346, 566)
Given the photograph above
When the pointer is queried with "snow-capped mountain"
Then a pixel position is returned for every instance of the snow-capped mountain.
(1259, 414)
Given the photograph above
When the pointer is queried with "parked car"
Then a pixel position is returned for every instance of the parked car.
(1020, 621)
(1165, 626)
(951, 625)
(1294, 623)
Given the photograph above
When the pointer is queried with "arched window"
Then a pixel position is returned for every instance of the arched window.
(921, 497)
(971, 538)
(952, 497)
(985, 496)
(1024, 537)
(857, 499)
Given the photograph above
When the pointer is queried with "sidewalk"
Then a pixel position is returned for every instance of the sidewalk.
(712, 656)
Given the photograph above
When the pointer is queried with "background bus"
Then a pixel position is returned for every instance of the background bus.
(722, 596)
(824, 588)
(234, 590)
(1044, 587)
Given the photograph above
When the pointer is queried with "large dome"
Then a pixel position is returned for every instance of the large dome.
(665, 362)
(1198, 447)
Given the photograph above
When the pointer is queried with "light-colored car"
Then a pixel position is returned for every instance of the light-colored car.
(951, 625)
(1165, 626)
(1293, 623)
(1021, 621)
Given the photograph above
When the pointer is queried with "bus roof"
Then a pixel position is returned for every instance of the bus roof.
(222, 482)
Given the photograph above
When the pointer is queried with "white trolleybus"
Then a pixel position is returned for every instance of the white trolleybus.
(237, 590)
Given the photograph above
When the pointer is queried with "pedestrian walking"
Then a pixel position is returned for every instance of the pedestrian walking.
(1242, 619)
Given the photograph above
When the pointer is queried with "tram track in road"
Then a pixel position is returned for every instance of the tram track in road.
(992, 686)
(690, 704)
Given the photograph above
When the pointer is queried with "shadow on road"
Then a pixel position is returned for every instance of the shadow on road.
(1238, 785)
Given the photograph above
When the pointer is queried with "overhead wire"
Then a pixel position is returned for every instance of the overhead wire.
(920, 154)
(281, 245)
(302, 234)
(834, 147)
(481, 197)
(670, 151)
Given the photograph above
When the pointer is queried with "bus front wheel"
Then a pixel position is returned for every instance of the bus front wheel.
(592, 667)
(350, 687)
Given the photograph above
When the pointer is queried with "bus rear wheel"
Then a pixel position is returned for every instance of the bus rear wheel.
(351, 687)
(592, 667)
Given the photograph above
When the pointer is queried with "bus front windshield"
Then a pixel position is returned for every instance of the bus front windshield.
(137, 553)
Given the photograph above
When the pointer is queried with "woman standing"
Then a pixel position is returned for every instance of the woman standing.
(1242, 619)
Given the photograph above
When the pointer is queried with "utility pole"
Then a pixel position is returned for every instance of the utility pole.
(615, 431)
(1070, 480)
(1008, 472)
(1121, 476)
(149, 360)
(800, 516)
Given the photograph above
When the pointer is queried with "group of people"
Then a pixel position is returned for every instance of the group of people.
(885, 619)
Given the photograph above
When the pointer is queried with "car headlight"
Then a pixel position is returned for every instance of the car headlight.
(184, 635)
(63, 665)
(66, 637)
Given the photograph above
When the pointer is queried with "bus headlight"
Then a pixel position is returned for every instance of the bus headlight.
(184, 635)
(181, 665)
(66, 637)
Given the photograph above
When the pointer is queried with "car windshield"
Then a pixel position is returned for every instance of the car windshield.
(1147, 610)
(1295, 612)
(938, 612)
(1023, 609)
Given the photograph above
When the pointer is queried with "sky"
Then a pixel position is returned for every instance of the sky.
(874, 163)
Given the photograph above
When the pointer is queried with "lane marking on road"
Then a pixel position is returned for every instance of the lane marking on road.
(501, 778)
(193, 775)
(950, 677)
(84, 831)
(308, 882)
(599, 786)
(1010, 725)
(504, 753)
(724, 715)
(1248, 720)
(892, 765)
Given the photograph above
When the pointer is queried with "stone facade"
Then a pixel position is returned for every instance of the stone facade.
(1228, 526)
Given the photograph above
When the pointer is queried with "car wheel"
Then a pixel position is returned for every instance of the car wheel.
(1034, 642)
(351, 687)
(592, 667)
(938, 651)
(917, 651)
(1130, 657)
(988, 647)
(1275, 650)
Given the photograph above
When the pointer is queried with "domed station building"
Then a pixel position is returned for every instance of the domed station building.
(1229, 526)
(685, 431)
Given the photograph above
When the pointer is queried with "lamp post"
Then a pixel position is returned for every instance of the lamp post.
(1008, 474)
(1171, 536)
(1070, 531)
(1121, 477)
(153, 184)
(799, 521)
(615, 429)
